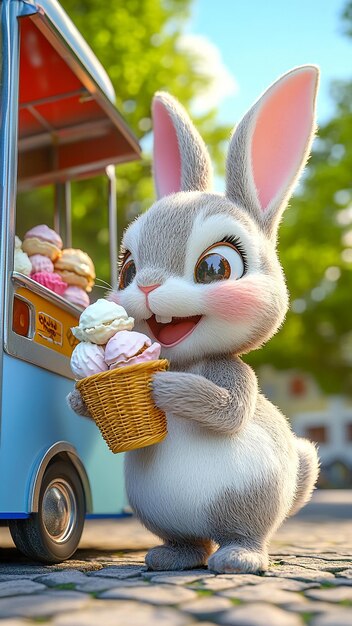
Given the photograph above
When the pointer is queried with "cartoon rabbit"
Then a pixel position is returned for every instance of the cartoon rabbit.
(200, 275)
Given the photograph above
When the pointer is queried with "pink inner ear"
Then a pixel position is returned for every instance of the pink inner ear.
(167, 160)
(282, 130)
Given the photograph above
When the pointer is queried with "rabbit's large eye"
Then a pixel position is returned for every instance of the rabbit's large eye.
(219, 262)
(127, 272)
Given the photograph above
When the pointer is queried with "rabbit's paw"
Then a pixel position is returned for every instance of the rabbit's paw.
(77, 404)
(234, 559)
(167, 387)
(177, 557)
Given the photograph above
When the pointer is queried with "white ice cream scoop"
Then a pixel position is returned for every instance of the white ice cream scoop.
(130, 348)
(87, 359)
(21, 262)
(102, 320)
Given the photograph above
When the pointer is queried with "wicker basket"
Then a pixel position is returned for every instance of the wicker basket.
(121, 404)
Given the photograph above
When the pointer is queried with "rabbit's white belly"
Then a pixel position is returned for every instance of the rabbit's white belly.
(170, 484)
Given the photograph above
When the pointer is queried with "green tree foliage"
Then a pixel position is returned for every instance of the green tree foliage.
(316, 252)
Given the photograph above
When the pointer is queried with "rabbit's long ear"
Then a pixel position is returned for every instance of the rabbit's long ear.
(271, 145)
(181, 160)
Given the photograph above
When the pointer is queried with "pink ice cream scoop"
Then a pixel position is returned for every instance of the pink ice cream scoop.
(41, 263)
(50, 281)
(87, 359)
(128, 347)
(77, 296)
(44, 233)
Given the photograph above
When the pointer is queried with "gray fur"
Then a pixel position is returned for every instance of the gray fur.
(178, 556)
(157, 262)
(242, 523)
(196, 169)
(247, 519)
(222, 406)
(307, 474)
(238, 169)
(77, 404)
(236, 559)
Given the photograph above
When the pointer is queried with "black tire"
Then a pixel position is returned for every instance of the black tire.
(45, 536)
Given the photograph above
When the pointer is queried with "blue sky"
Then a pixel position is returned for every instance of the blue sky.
(259, 40)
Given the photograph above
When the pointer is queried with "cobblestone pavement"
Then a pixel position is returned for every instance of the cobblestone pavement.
(106, 583)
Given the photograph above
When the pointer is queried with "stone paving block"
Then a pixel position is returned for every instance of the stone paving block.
(21, 570)
(318, 563)
(124, 571)
(346, 573)
(334, 555)
(202, 623)
(309, 606)
(226, 581)
(122, 560)
(43, 604)
(6, 577)
(262, 593)
(258, 615)
(34, 570)
(339, 581)
(153, 594)
(63, 577)
(331, 594)
(20, 586)
(196, 573)
(172, 579)
(299, 573)
(96, 584)
(122, 613)
(207, 608)
(287, 584)
(338, 617)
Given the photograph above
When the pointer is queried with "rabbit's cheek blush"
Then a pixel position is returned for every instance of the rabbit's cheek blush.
(233, 301)
(174, 332)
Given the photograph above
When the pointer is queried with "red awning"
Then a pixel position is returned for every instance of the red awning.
(68, 127)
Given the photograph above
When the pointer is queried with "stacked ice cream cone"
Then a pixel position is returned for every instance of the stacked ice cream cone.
(113, 366)
(69, 272)
(43, 246)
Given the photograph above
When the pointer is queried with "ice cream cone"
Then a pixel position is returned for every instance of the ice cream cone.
(121, 405)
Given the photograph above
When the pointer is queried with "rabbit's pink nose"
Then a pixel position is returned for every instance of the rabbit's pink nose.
(148, 289)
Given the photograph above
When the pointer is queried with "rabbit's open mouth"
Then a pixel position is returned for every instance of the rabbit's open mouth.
(175, 331)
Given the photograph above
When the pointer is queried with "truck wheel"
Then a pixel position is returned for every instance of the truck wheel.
(52, 535)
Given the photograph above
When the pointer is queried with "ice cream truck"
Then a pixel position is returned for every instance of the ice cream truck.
(58, 124)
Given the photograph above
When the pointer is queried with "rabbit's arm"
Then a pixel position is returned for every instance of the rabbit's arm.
(77, 404)
(195, 397)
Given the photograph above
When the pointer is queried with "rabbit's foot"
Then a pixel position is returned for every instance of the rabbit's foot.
(178, 556)
(235, 559)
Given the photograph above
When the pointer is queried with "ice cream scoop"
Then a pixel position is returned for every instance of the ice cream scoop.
(77, 296)
(44, 233)
(50, 281)
(21, 262)
(102, 320)
(41, 263)
(130, 348)
(42, 240)
(76, 268)
(87, 359)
